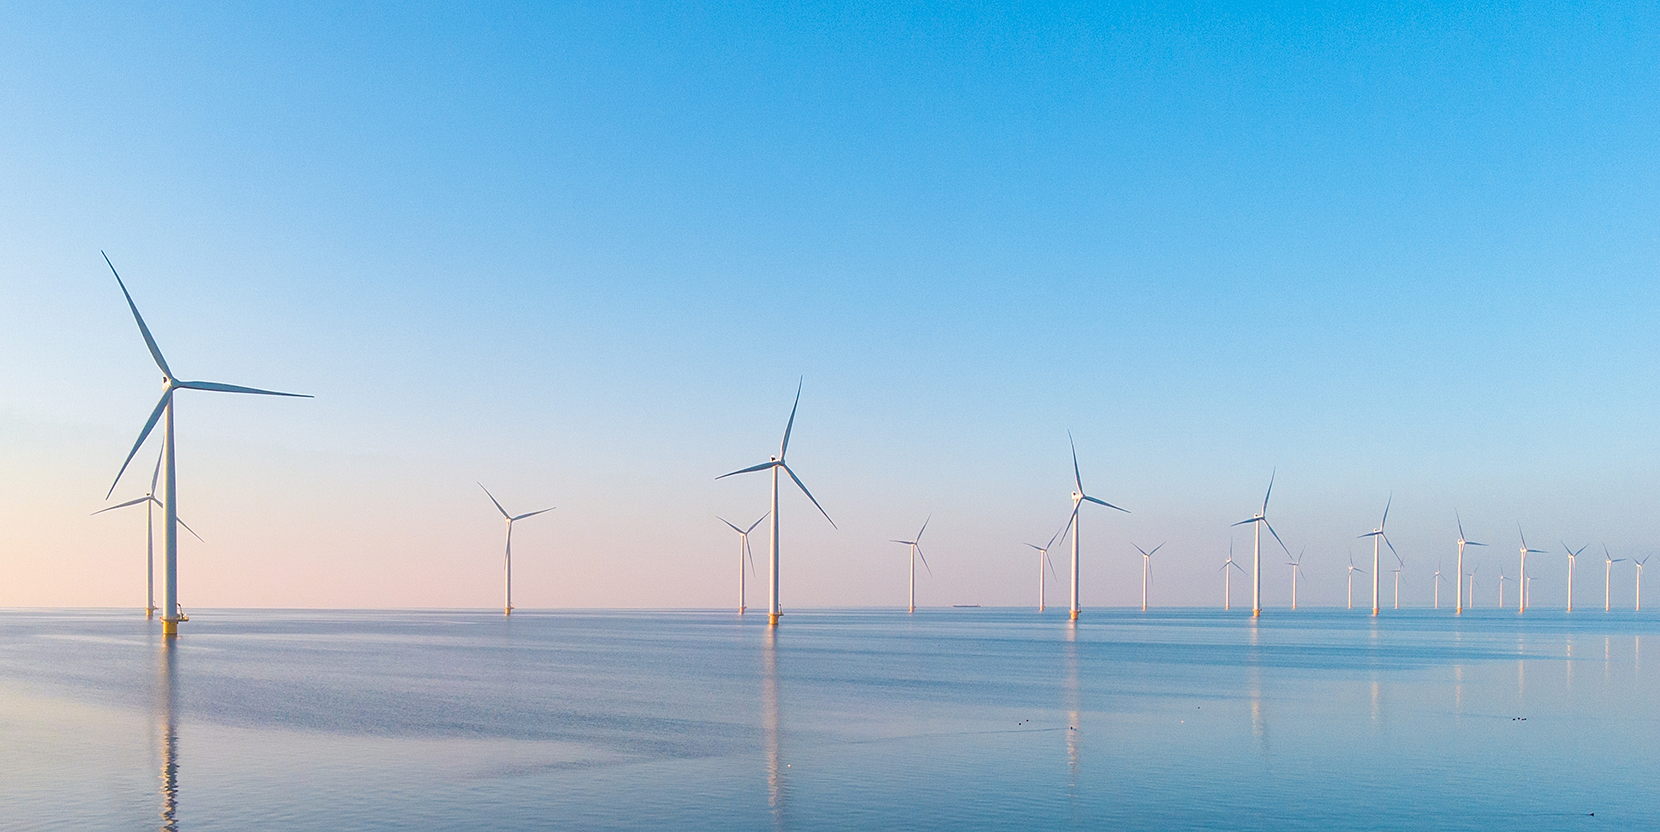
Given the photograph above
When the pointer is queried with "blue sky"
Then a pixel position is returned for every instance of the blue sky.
(583, 255)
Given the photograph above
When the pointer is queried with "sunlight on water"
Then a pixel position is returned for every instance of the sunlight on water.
(958, 719)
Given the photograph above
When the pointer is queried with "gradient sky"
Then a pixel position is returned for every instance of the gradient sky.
(583, 254)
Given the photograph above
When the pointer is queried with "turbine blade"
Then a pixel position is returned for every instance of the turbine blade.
(1276, 536)
(1105, 503)
(534, 513)
(798, 484)
(924, 560)
(751, 469)
(754, 524)
(156, 474)
(729, 523)
(1390, 545)
(155, 416)
(497, 502)
(1270, 492)
(1473, 543)
(149, 341)
(1156, 548)
(1386, 512)
(1460, 525)
(785, 446)
(189, 529)
(751, 555)
(216, 387)
(1243, 522)
(924, 528)
(1051, 563)
(139, 501)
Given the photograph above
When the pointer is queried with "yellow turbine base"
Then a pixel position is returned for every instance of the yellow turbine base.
(772, 619)
(170, 627)
(1075, 615)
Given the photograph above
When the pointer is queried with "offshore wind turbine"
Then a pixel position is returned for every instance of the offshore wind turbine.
(1573, 558)
(1461, 544)
(1043, 559)
(1472, 584)
(1608, 562)
(1438, 581)
(775, 464)
(170, 616)
(1376, 535)
(1078, 499)
(1146, 571)
(149, 502)
(916, 552)
(743, 553)
(1639, 564)
(1227, 577)
(507, 606)
(1399, 565)
(1352, 570)
(1257, 522)
(1521, 579)
(1296, 565)
(1502, 579)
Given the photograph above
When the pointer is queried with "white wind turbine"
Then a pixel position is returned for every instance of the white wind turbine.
(507, 606)
(1608, 562)
(1521, 576)
(1438, 581)
(1573, 558)
(1043, 560)
(1399, 565)
(170, 616)
(1639, 564)
(1227, 578)
(915, 545)
(1146, 571)
(775, 464)
(1352, 570)
(1502, 579)
(1471, 584)
(1296, 565)
(1257, 522)
(150, 502)
(743, 553)
(1461, 576)
(1078, 499)
(1376, 535)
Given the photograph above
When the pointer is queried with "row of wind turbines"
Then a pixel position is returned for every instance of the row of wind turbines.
(172, 612)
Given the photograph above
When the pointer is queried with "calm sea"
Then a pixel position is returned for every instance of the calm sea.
(948, 719)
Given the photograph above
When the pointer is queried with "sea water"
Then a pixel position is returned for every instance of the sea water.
(838, 719)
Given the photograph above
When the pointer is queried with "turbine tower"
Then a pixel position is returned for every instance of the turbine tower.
(1471, 584)
(1296, 565)
(1608, 562)
(1258, 521)
(1438, 581)
(170, 616)
(507, 606)
(1043, 559)
(1078, 499)
(916, 552)
(1573, 558)
(1502, 579)
(1399, 565)
(1227, 578)
(743, 553)
(1146, 571)
(1376, 535)
(1521, 576)
(1461, 544)
(1639, 564)
(775, 464)
(149, 502)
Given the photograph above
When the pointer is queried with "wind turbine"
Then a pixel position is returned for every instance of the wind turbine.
(1043, 559)
(775, 464)
(1438, 581)
(1260, 520)
(1296, 565)
(916, 552)
(507, 607)
(1573, 558)
(1146, 571)
(1227, 578)
(1461, 544)
(1472, 584)
(1639, 565)
(1399, 565)
(150, 502)
(1078, 499)
(1352, 570)
(743, 552)
(1521, 580)
(1502, 579)
(170, 617)
(1376, 535)
(1608, 562)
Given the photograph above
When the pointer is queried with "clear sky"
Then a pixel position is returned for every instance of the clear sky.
(582, 254)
